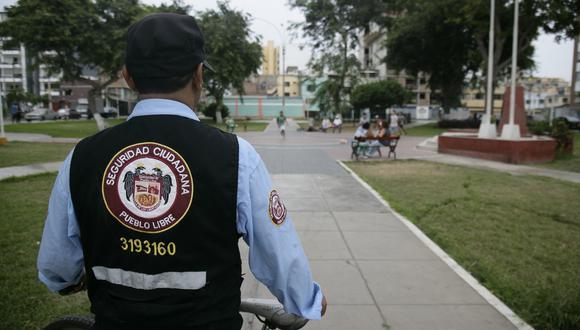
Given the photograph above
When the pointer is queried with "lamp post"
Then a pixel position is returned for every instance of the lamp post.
(2, 134)
(283, 40)
(487, 129)
(511, 131)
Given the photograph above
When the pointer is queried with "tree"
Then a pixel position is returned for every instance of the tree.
(426, 40)
(450, 38)
(331, 28)
(69, 36)
(379, 95)
(230, 48)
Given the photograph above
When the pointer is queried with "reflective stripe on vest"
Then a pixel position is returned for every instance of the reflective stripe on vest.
(168, 280)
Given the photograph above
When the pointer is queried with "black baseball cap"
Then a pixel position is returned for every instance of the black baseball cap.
(164, 45)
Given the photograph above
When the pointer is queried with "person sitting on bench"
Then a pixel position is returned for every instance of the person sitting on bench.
(381, 139)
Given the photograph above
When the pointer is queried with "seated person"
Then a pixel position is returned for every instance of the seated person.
(360, 136)
(325, 124)
(379, 140)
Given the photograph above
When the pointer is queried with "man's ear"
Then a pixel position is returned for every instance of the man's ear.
(198, 77)
(128, 78)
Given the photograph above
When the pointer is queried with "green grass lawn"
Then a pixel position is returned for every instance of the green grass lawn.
(567, 162)
(518, 235)
(62, 128)
(26, 303)
(84, 128)
(251, 126)
(425, 130)
(22, 153)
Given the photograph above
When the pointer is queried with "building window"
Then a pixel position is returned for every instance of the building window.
(287, 84)
(479, 96)
(421, 96)
(68, 92)
(287, 94)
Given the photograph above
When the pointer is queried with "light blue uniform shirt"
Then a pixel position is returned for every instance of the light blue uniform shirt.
(276, 256)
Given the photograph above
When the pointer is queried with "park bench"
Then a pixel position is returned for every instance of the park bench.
(358, 149)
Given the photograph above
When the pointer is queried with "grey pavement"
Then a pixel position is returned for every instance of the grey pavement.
(375, 272)
(18, 171)
(32, 137)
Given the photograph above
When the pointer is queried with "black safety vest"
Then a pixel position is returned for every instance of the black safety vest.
(155, 199)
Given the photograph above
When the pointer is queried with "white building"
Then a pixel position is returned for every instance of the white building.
(372, 55)
(575, 90)
(545, 93)
(16, 72)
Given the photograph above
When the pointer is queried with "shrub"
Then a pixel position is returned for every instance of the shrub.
(564, 138)
(455, 123)
(539, 127)
(210, 110)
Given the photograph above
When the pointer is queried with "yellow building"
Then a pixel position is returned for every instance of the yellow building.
(291, 85)
(270, 62)
(474, 99)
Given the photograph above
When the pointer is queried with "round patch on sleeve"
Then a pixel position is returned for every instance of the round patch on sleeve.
(276, 208)
(147, 187)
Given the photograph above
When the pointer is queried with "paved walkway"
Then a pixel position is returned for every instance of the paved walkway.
(375, 272)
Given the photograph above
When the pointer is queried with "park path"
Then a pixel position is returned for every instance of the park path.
(374, 270)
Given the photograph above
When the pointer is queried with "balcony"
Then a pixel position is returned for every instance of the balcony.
(10, 52)
(10, 80)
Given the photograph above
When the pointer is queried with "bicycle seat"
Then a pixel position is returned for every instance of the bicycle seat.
(273, 312)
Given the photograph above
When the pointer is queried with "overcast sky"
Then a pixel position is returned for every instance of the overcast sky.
(552, 59)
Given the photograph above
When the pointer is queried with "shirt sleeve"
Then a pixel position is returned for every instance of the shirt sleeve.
(276, 256)
(60, 259)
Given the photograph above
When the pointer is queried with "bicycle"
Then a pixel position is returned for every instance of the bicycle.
(272, 312)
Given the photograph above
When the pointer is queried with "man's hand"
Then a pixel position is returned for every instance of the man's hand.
(323, 311)
(81, 286)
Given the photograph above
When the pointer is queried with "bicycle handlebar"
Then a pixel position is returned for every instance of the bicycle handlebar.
(273, 312)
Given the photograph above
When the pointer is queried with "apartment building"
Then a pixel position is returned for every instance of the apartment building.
(575, 87)
(271, 59)
(16, 71)
(372, 53)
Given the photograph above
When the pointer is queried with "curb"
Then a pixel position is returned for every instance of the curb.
(465, 275)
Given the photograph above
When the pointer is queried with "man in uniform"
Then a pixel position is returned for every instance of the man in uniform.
(149, 212)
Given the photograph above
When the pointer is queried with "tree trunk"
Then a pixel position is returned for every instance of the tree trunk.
(96, 107)
(218, 111)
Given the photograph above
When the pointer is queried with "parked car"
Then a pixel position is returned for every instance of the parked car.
(110, 112)
(63, 113)
(570, 116)
(40, 114)
(73, 114)
(84, 112)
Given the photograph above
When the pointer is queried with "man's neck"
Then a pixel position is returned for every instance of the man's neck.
(179, 97)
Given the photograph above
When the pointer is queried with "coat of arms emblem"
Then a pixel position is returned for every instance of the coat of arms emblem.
(147, 189)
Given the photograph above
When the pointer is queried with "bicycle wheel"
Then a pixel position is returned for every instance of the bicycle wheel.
(73, 322)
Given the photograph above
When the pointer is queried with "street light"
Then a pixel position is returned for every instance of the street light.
(283, 40)
(2, 134)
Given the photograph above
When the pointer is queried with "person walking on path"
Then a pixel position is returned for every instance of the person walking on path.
(282, 121)
(394, 123)
(337, 124)
(147, 214)
(15, 112)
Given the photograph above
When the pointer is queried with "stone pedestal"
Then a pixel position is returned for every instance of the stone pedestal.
(520, 112)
